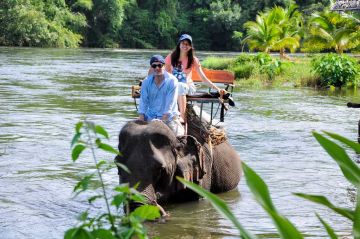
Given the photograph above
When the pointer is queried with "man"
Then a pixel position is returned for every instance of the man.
(158, 100)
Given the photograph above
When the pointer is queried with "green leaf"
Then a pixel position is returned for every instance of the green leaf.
(329, 230)
(100, 163)
(83, 184)
(260, 190)
(118, 200)
(81, 233)
(147, 212)
(93, 198)
(102, 234)
(78, 126)
(348, 213)
(77, 233)
(108, 148)
(77, 151)
(102, 131)
(137, 197)
(123, 188)
(356, 226)
(350, 170)
(75, 139)
(354, 145)
(219, 205)
(83, 216)
(123, 167)
(69, 233)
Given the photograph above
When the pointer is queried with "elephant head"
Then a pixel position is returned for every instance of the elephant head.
(154, 156)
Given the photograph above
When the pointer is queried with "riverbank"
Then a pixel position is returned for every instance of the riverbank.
(262, 70)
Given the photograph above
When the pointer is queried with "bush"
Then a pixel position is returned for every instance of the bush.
(217, 63)
(244, 59)
(263, 58)
(243, 71)
(336, 70)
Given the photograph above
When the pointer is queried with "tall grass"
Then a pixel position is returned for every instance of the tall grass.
(217, 63)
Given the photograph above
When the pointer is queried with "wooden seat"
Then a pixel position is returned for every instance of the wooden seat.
(216, 76)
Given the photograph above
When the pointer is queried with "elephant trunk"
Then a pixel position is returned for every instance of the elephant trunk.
(149, 193)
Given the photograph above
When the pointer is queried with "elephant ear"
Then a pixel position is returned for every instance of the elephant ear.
(191, 158)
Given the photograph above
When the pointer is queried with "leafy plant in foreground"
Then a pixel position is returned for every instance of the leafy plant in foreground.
(113, 223)
(285, 228)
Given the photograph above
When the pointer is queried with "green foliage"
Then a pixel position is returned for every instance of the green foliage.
(217, 63)
(39, 23)
(269, 66)
(336, 70)
(261, 193)
(112, 224)
(330, 30)
(243, 71)
(276, 29)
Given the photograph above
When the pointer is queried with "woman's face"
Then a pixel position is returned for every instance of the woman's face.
(185, 46)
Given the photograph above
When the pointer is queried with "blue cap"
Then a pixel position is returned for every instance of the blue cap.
(157, 58)
(185, 37)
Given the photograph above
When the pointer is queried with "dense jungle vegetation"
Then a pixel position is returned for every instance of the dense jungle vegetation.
(215, 25)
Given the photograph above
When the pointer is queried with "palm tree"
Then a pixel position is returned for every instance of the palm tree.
(289, 21)
(277, 29)
(330, 30)
(261, 34)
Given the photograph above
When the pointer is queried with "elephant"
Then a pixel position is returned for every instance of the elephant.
(155, 156)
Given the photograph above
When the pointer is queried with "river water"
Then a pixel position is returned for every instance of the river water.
(44, 92)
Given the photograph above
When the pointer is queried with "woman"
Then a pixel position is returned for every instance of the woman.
(181, 62)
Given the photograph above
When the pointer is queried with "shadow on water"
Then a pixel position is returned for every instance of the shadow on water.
(44, 92)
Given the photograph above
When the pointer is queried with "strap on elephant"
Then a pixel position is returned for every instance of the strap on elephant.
(199, 165)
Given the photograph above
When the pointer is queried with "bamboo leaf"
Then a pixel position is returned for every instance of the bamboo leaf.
(102, 131)
(356, 226)
(260, 191)
(350, 170)
(355, 146)
(77, 151)
(325, 202)
(258, 188)
(329, 230)
(219, 205)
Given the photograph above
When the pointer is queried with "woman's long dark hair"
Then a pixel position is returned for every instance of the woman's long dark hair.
(176, 54)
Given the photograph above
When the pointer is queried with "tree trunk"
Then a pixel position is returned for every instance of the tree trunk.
(283, 55)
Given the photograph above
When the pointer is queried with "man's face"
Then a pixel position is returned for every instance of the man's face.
(158, 68)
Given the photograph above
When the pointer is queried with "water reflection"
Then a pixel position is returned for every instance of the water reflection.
(44, 92)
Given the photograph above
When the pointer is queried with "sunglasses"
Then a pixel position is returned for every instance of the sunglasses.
(157, 65)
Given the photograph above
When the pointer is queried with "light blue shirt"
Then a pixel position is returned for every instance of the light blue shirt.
(155, 101)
